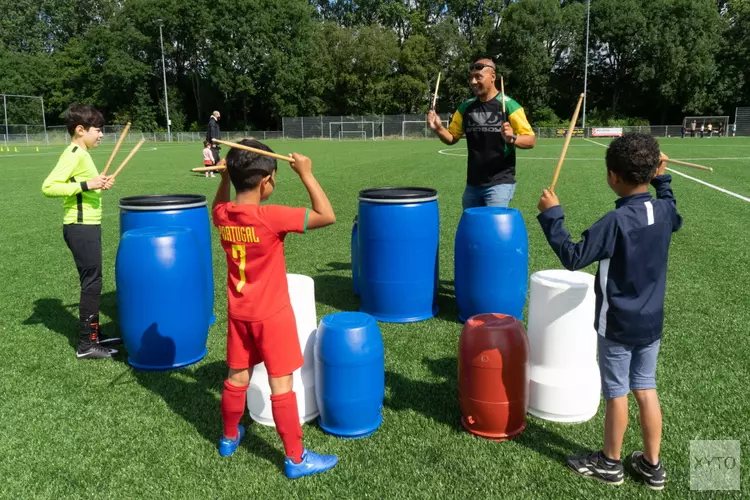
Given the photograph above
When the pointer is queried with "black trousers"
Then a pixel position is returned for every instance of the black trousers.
(85, 242)
(217, 157)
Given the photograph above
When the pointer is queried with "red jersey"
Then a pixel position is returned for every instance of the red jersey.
(253, 239)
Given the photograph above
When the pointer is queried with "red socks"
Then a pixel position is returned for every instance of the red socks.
(232, 408)
(286, 418)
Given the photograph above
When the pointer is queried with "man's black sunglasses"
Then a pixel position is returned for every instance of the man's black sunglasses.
(480, 67)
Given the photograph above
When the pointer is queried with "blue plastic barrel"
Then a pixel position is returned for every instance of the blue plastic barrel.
(349, 374)
(161, 297)
(398, 232)
(169, 210)
(355, 258)
(491, 262)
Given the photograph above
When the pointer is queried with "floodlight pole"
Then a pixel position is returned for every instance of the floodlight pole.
(44, 123)
(164, 73)
(5, 112)
(586, 67)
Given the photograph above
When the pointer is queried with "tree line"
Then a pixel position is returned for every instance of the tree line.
(257, 61)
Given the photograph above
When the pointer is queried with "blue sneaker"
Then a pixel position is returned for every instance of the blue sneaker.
(227, 446)
(311, 463)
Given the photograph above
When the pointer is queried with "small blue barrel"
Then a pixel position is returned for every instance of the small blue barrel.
(398, 230)
(161, 297)
(186, 210)
(355, 259)
(349, 374)
(491, 262)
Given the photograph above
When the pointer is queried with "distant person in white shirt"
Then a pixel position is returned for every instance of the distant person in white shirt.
(208, 158)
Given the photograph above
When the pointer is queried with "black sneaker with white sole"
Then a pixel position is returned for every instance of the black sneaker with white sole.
(596, 466)
(103, 340)
(92, 350)
(654, 476)
(88, 341)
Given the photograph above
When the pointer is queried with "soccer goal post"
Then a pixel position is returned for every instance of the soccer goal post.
(417, 129)
(708, 125)
(23, 120)
(351, 130)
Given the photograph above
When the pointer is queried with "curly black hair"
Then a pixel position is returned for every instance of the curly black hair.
(634, 157)
(247, 169)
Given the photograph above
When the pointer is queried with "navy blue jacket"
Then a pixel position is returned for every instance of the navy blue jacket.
(631, 244)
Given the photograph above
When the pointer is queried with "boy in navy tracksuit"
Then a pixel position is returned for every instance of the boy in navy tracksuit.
(631, 244)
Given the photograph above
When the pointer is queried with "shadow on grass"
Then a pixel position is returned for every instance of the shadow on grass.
(337, 291)
(548, 442)
(194, 394)
(63, 319)
(439, 401)
(435, 400)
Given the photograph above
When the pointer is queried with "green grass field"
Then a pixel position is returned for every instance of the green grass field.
(102, 430)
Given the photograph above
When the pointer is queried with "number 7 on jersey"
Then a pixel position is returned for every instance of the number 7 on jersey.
(239, 252)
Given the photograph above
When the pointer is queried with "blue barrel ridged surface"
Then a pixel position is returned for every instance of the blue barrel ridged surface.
(161, 297)
(355, 258)
(170, 210)
(491, 262)
(349, 374)
(398, 232)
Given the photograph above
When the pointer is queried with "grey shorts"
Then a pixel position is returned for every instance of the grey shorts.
(626, 367)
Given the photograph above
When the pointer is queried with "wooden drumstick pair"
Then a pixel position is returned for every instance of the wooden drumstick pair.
(117, 148)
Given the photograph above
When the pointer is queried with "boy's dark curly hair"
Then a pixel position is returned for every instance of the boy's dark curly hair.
(634, 157)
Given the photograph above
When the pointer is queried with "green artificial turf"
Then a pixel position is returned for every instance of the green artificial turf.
(102, 430)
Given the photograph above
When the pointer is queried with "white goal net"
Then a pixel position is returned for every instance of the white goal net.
(23, 120)
(351, 130)
(706, 126)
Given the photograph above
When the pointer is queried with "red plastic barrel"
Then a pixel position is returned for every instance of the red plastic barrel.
(493, 374)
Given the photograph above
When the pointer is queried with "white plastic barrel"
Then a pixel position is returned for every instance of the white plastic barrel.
(302, 295)
(564, 383)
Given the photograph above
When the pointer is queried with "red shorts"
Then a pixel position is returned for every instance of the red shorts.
(273, 341)
(208, 163)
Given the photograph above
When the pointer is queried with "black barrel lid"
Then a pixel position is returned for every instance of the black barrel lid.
(163, 201)
(400, 194)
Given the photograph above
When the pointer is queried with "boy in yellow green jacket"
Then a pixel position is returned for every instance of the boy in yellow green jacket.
(76, 180)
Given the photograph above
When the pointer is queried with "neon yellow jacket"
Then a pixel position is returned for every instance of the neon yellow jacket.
(68, 181)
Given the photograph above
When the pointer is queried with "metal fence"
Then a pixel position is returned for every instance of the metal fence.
(59, 135)
(357, 127)
(367, 127)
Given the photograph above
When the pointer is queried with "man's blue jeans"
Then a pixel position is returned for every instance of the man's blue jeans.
(490, 196)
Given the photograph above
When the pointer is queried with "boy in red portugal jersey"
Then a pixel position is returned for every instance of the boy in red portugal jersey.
(262, 327)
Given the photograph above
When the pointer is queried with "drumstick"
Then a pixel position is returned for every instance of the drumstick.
(254, 150)
(208, 169)
(686, 164)
(434, 98)
(127, 159)
(565, 146)
(117, 147)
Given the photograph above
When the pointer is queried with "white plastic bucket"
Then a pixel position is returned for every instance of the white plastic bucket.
(302, 295)
(564, 383)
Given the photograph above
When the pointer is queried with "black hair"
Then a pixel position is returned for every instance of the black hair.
(82, 114)
(247, 169)
(634, 157)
